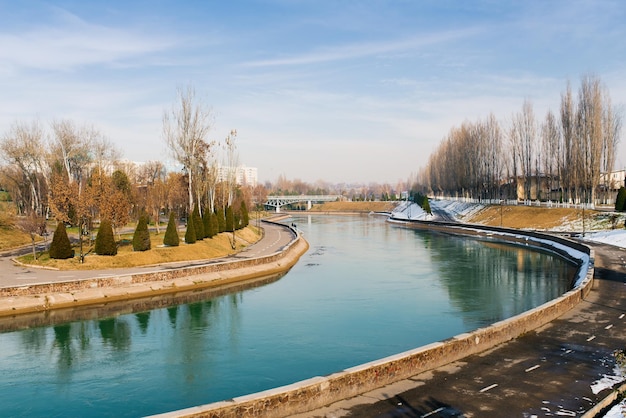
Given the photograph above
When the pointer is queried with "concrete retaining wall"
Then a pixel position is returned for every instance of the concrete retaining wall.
(320, 391)
(71, 294)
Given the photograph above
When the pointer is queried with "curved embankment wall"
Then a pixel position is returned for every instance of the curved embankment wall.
(320, 391)
(98, 290)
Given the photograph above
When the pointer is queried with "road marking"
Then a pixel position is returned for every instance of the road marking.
(568, 351)
(621, 316)
(530, 369)
(436, 411)
(609, 326)
(593, 337)
(488, 388)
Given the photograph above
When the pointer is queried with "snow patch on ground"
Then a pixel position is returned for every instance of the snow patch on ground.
(618, 411)
(608, 381)
(458, 209)
(615, 237)
(411, 211)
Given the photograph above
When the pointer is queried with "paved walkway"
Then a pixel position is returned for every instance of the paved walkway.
(11, 275)
(545, 373)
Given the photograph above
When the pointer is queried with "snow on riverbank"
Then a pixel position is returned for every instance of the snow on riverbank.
(412, 211)
(461, 210)
(615, 237)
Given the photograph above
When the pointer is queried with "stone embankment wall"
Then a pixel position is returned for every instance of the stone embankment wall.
(320, 391)
(69, 294)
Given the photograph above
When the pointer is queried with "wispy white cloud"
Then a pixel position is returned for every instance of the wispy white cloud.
(70, 42)
(365, 49)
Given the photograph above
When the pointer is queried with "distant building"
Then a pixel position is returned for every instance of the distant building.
(244, 176)
(612, 181)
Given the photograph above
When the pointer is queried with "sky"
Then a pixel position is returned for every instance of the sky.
(334, 90)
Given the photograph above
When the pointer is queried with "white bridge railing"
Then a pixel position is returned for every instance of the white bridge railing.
(278, 201)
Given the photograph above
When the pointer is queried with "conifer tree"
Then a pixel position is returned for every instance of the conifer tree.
(206, 221)
(197, 223)
(620, 201)
(61, 248)
(215, 227)
(221, 220)
(245, 217)
(105, 242)
(141, 237)
(171, 233)
(190, 234)
(208, 227)
(230, 220)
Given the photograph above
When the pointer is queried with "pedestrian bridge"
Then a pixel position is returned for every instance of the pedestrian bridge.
(278, 201)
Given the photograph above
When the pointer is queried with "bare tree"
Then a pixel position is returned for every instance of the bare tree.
(523, 136)
(33, 224)
(232, 163)
(552, 151)
(185, 128)
(71, 147)
(23, 147)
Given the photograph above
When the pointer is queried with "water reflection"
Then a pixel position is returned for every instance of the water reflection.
(491, 281)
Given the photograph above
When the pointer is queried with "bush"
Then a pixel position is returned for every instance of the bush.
(190, 234)
(230, 220)
(221, 220)
(141, 237)
(197, 223)
(206, 221)
(245, 217)
(105, 242)
(620, 200)
(61, 248)
(215, 227)
(171, 233)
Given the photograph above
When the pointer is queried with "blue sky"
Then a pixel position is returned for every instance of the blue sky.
(337, 90)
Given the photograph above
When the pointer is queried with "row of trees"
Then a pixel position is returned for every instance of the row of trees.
(74, 174)
(561, 157)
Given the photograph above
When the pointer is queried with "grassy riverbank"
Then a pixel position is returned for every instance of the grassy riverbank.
(218, 246)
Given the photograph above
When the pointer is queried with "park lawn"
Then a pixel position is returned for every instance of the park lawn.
(534, 217)
(215, 247)
(13, 238)
(355, 207)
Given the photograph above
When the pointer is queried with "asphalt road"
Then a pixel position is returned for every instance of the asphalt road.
(11, 274)
(545, 373)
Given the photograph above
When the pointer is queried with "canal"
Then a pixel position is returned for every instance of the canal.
(366, 289)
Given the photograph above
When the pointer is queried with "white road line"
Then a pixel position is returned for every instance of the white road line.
(530, 369)
(593, 337)
(568, 351)
(609, 326)
(432, 412)
(488, 388)
(621, 316)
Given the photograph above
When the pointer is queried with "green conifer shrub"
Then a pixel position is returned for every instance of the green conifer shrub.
(141, 237)
(221, 220)
(61, 248)
(245, 217)
(230, 219)
(620, 200)
(105, 241)
(215, 227)
(190, 234)
(197, 223)
(171, 233)
(206, 221)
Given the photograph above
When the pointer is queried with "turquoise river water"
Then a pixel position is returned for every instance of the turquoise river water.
(366, 289)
